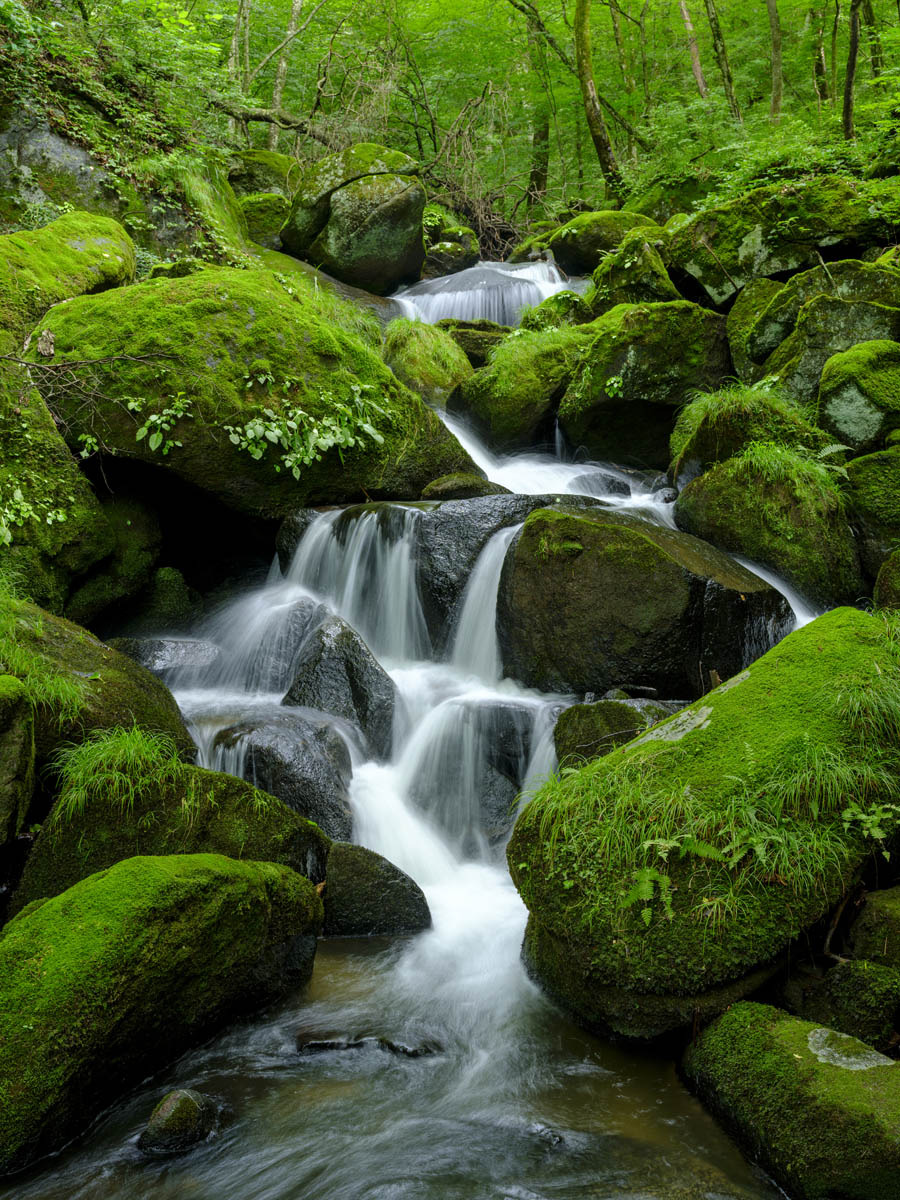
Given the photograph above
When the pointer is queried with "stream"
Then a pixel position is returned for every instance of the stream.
(510, 1099)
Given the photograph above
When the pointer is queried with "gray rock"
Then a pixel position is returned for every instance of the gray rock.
(181, 1120)
(365, 895)
(160, 655)
(291, 531)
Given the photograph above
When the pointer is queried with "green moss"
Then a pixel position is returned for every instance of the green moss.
(264, 171)
(632, 274)
(587, 731)
(17, 774)
(476, 339)
(858, 998)
(562, 308)
(127, 570)
(875, 935)
(579, 245)
(130, 967)
(859, 394)
(426, 359)
(751, 300)
(817, 1109)
(797, 525)
(461, 486)
(679, 867)
(265, 213)
(887, 585)
(874, 495)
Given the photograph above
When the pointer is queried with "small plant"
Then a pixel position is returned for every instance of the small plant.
(46, 687)
(615, 387)
(159, 425)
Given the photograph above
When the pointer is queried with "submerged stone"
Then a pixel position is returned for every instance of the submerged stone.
(181, 1120)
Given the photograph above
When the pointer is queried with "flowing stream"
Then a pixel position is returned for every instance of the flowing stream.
(510, 1099)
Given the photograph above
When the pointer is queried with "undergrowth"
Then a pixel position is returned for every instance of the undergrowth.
(47, 688)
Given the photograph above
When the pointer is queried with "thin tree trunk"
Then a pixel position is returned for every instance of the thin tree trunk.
(645, 72)
(868, 19)
(281, 67)
(696, 65)
(852, 62)
(540, 129)
(614, 16)
(236, 126)
(834, 40)
(592, 110)
(722, 59)
(820, 70)
(777, 67)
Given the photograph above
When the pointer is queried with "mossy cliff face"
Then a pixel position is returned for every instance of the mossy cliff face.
(256, 171)
(640, 364)
(820, 1110)
(265, 213)
(126, 970)
(200, 812)
(222, 347)
(358, 216)
(874, 494)
(875, 935)
(750, 302)
(859, 395)
(592, 600)
(579, 245)
(675, 916)
(16, 756)
(772, 230)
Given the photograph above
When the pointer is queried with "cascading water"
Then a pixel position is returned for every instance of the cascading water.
(489, 292)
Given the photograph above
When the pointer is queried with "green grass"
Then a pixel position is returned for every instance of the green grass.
(46, 687)
(792, 467)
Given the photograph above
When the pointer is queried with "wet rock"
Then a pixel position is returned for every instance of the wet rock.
(875, 935)
(475, 338)
(587, 731)
(750, 302)
(336, 672)
(291, 532)
(874, 490)
(887, 585)
(367, 896)
(462, 487)
(304, 763)
(16, 756)
(859, 395)
(854, 997)
(313, 1043)
(274, 664)
(160, 655)
(601, 483)
(180, 1121)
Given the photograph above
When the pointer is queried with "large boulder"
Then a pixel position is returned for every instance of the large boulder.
(336, 672)
(358, 215)
(367, 896)
(667, 879)
(859, 395)
(585, 731)
(476, 339)
(886, 593)
(137, 540)
(590, 600)
(256, 171)
(16, 756)
(305, 763)
(875, 934)
(181, 1120)
(855, 996)
(751, 300)
(797, 524)
(818, 1109)
(248, 389)
(639, 363)
(450, 245)
(772, 230)
(187, 810)
(265, 214)
(580, 244)
(426, 359)
(874, 493)
(125, 971)
(632, 274)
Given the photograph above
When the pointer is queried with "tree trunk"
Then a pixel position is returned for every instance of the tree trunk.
(820, 70)
(645, 71)
(722, 59)
(868, 19)
(592, 110)
(850, 77)
(696, 65)
(614, 16)
(834, 40)
(281, 69)
(777, 68)
(236, 126)
(540, 129)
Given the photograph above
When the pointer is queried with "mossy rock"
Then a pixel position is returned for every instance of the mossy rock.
(200, 812)
(562, 308)
(797, 524)
(850, 280)
(256, 171)
(859, 998)
(773, 230)
(426, 359)
(513, 399)
(367, 896)
(358, 216)
(16, 756)
(827, 326)
(874, 494)
(750, 302)
(719, 425)
(589, 599)
(887, 583)
(128, 969)
(875, 934)
(586, 731)
(632, 274)
(670, 196)
(181, 1120)
(476, 339)
(127, 570)
(78, 684)
(859, 395)
(626, 952)
(640, 364)
(579, 245)
(265, 213)
(818, 1109)
(450, 245)
(462, 487)
(167, 604)
(205, 338)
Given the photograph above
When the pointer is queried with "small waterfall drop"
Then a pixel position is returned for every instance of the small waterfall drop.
(475, 646)
(489, 292)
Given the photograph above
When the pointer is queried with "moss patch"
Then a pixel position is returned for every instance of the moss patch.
(859, 394)
(426, 359)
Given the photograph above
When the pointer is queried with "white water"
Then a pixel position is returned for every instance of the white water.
(488, 292)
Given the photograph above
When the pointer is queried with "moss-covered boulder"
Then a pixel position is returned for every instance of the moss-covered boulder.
(887, 582)
(674, 194)
(476, 339)
(875, 935)
(367, 896)
(129, 567)
(818, 1109)
(859, 395)
(123, 972)
(593, 599)
(426, 359)
(797, 523)
(751, 300)
(579, 245)
(849, 280)
(181, 1120)
(586, 731)
(77, 684)
(172, 808)
(450, 245)
(666, 879)
(874, 494)
(233, 382)
(16, 756)
(265, 213)
(718, 425)
(562, 308)
(462, 487)
(166, 605)
(256, 171)
(640, 364)
(632, 274)
(772, 230)
(513, 399)
(358, 216)
(855, 997)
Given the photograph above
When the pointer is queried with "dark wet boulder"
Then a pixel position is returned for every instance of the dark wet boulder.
(817, 1108)
(580, 244)
(426, 359)
(859, 395)
(127, 572)
(182, 1120)
(587, 599)
(367, 896)
(161, 655)
(16, 756)
(476, 339)
(874, 495)
(887, 582)
(855, 997)
(138, 963)
(751, 301)
(638, 364)
(358, 215)
(336, 672)
(586, 731)
(304, 762)
(875, 934)
(798, 524)
(462, 487)
(291, 532)
(265, 214)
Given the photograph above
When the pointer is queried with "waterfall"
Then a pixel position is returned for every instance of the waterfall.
(475, 646)
(489, 292)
